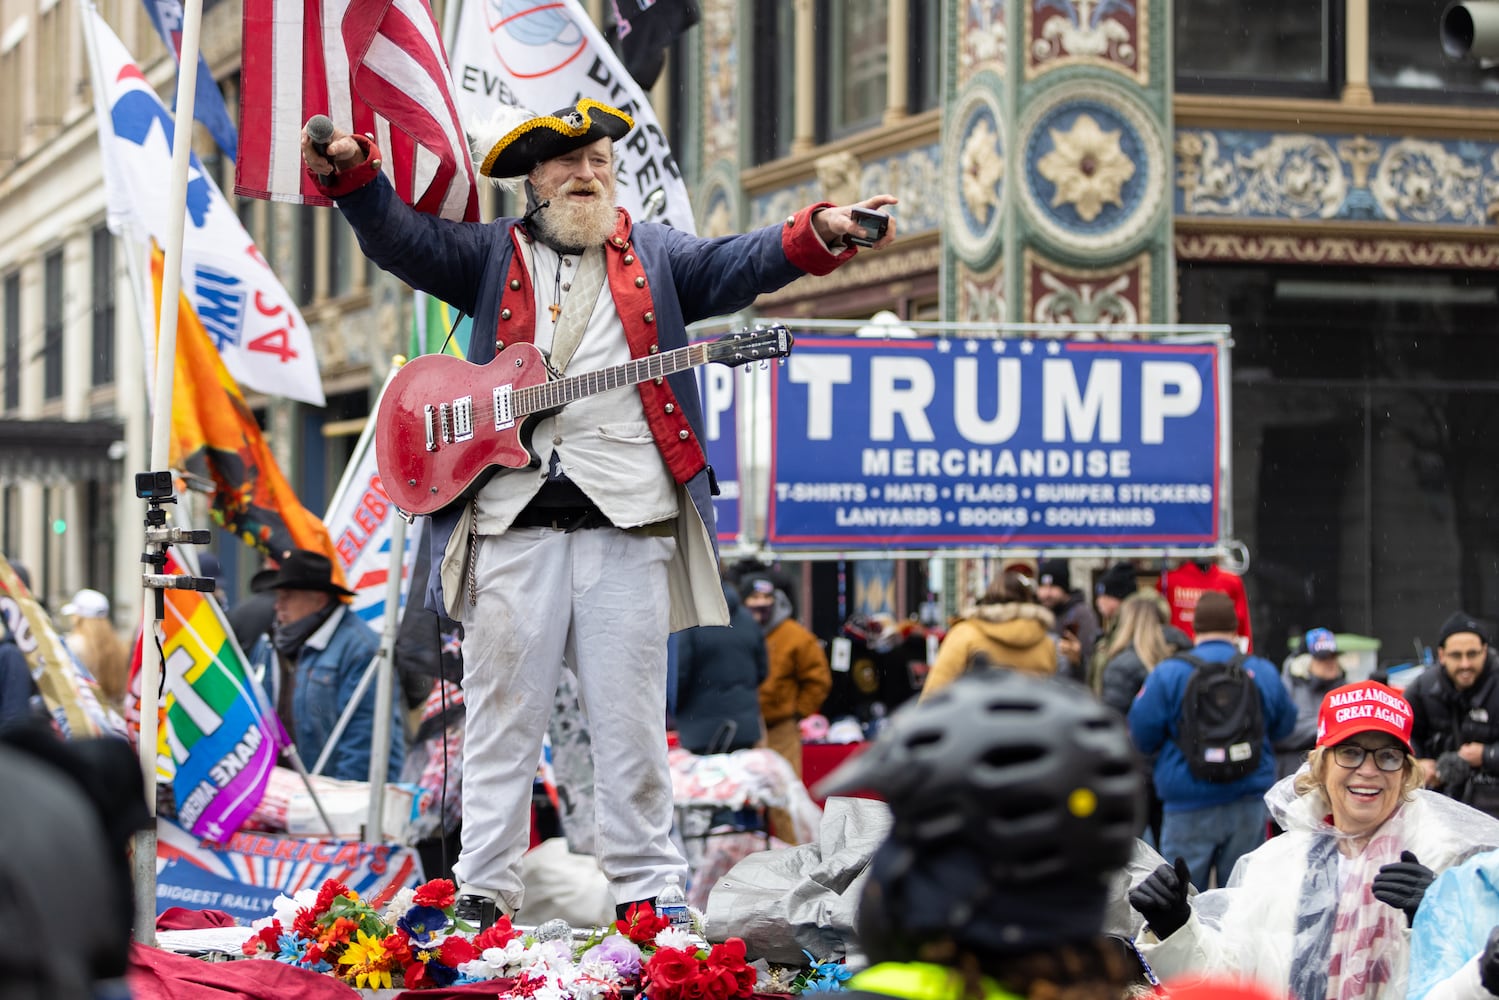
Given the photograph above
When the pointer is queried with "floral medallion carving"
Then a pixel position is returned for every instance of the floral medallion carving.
(975, 183)
(982, 43)
(1095, 168)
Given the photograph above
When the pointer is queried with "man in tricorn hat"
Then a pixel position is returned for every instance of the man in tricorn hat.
(596, 557)
(312, 658)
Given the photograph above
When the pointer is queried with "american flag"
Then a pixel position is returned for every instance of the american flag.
(375, 67)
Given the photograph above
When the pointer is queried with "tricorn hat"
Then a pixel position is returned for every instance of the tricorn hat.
(300, 569)
(543, 137)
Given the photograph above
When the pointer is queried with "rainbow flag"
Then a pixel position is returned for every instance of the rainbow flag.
(217, 741)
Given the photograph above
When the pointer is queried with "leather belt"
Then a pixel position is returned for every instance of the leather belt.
(561, 518)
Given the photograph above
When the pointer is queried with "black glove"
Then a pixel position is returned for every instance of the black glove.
(1452, 769)
(1162, 898)
(1488, 963)
(1403, 883)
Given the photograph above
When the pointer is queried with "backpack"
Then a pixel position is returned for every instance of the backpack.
(1222, 726)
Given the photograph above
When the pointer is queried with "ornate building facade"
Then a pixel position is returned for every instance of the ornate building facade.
(1315, 174)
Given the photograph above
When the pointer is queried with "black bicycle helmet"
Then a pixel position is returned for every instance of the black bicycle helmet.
(1034, 778)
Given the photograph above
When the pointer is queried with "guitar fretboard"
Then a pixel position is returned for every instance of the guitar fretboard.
(560, 392)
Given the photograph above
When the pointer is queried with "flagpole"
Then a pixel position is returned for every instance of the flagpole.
(161, 427)
(384, 683)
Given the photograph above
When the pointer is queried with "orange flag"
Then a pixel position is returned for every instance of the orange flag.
(219, 447)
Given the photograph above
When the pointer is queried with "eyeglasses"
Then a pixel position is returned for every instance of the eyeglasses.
(1351, 755)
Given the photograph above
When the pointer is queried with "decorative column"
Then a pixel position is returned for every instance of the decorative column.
(804, 134)
(1056, 144)
(1356, 88)
(898, 61)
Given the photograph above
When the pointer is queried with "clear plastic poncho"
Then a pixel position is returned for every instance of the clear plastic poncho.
(1452, 927)
(1298, 915)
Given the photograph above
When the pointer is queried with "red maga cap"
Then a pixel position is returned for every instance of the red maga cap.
(1366, 707)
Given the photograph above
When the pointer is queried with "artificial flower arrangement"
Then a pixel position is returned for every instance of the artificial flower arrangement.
(415, 942)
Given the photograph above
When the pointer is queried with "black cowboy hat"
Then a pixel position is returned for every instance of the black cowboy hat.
(300, 569)
(544, 137)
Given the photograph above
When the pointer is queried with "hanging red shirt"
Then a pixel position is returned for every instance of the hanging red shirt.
(1185, 584)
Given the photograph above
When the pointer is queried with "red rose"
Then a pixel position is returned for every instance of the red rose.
(438, 893)
(399, 947)
(695, 988)
(641, 924)
(667, 971)
(718, 983)
(728, 957)
(331, 889)
(457, 950)
(498, 935)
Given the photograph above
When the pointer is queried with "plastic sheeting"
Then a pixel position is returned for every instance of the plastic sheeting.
(1275, 921)
(1453, 923)
(802, 898)
(806, 898)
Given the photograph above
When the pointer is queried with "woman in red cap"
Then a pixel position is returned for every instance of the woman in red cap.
(1323, 910)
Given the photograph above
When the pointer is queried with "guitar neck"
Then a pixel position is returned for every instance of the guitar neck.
(559, 392)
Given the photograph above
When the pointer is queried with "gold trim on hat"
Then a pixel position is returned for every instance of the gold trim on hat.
(558, 125)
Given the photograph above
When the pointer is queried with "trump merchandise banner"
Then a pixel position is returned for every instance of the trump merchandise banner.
(542, 55)
(953, 443)
(720, 388)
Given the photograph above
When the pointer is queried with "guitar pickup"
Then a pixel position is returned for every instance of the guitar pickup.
(429, 424)
(504, 415)
(463, 418)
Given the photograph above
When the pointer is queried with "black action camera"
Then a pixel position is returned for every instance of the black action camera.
(153, 485)
(874, 224)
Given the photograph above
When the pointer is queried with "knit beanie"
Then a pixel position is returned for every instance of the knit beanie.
(1118, 581)
(1214, 613)
(1054, 572)
(1461, 621)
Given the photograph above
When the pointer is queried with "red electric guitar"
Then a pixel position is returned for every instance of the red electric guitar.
(444, 422)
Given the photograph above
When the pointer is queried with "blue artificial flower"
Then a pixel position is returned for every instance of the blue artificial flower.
(819, 985)
(441, 975)
(833, 971)
(292, 950)
(423, 923)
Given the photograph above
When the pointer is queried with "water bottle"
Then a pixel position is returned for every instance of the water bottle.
(671, 904)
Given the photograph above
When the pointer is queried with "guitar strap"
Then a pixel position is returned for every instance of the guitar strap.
(577, 310)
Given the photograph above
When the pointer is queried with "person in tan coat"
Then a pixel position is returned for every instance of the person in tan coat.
(1006, 628)
(799, 678)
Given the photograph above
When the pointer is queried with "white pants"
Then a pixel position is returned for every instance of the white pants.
(596, 598)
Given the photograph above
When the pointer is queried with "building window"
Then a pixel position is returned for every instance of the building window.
(103, 356)
(854, 38)
(925, 70)
(1406, 61)
(1287, 48)
(12, 339)
(773, 115)
(52, 325)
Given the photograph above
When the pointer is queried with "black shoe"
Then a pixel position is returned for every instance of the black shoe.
(622, 910)
(480, 911)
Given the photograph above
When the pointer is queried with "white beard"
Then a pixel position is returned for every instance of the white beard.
(573, 228)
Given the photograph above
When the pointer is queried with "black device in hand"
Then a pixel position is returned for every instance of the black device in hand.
(873, 223)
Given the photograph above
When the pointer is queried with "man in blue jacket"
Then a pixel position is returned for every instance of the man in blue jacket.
(1210, 824)
(596, 556)
(312, 659)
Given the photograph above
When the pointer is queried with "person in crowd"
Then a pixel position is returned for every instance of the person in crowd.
(719, 672)
(311, 660)
(1139, 642)
(1455, 936)
(93, 639)
(1457, 716)
(1110, 590)
(253, 614)
(575, 561)
(1211, 789)
(1307, 685)
(972, 895)
(68, 906)
(1007, 628)
(1324, 909)
(1076, 623)
(799, 679)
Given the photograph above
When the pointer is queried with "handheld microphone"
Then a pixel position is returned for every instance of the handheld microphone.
(320, 133)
